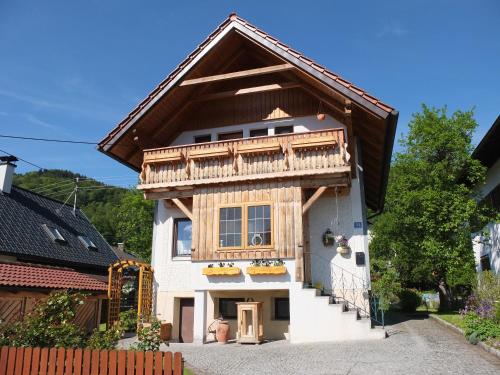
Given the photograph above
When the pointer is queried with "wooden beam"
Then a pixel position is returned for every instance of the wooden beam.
(181, 206)
(313, 199)
(240, 74)
(248, 90)
(350, 135)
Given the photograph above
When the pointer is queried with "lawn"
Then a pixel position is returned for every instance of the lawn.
(452, 317)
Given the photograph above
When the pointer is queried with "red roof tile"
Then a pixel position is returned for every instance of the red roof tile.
(235, 18)
(37, 276)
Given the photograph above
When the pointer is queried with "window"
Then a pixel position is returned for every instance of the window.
(283, 129)
(87, 242)
(228, 308)
(485, 263)
(258, 132)
(228, 136)
(257, 231)
(54, 234)
(281, 309)
(230, 227)
(182, 237)
(202, 138)
(259, 225)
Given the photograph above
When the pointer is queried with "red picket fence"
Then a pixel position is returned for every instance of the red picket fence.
(53, 361)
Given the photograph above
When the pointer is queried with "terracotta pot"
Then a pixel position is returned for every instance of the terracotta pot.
(166, 331)
(222, 332)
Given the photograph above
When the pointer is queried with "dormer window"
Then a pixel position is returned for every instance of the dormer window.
(54, 234)
(87, 242)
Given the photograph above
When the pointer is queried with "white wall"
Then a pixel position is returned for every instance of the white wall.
(300, 125)
(322, 216)
(492, 179)
(488, 245)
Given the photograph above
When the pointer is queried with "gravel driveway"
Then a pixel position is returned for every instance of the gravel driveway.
(415, 346)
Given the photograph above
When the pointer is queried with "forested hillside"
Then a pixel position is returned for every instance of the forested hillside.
(121, 215)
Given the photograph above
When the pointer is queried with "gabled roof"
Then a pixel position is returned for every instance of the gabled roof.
(47, 277)
(487, 151)
(172, 106)
(347, 88)
(23, 215)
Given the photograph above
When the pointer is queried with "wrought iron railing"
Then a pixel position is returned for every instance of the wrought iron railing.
(346, 287)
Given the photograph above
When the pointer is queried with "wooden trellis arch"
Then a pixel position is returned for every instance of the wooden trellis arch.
(115, 283)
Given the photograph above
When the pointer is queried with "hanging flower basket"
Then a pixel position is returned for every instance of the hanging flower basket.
(343, 245)
(221, 271)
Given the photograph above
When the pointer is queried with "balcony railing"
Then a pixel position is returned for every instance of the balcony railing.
(271, 157)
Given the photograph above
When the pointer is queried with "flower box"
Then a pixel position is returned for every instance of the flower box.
(266, 270)
(221, 271)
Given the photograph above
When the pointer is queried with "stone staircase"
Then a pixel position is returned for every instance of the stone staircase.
(315, 317)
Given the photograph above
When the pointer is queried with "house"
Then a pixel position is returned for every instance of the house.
(486, 245)
(46, 246)
(252, 151)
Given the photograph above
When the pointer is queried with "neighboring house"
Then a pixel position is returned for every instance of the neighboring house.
(253, 151)
(46, 246)
(487, 244)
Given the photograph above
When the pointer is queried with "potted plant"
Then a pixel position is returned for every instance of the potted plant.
(221, 270)
(328, 238)
(267, 267)
(342, 244)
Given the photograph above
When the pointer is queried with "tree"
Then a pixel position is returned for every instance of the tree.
(135, 224)
(431, 208)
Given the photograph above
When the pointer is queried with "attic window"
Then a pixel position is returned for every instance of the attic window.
(54, 234)
(87, 242)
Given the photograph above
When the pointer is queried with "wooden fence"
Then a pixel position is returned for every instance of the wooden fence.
(53, 361)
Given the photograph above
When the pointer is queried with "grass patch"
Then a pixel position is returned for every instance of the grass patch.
(187, 372)
(452, 317)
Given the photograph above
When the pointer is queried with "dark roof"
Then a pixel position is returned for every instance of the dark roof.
(22, 234)
(48, 277)
(234, 21)
(123, 255)
(488, 150)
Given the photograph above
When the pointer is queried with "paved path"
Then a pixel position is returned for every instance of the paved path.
(415, 346)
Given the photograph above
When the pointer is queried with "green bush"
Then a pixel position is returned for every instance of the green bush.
(105, 339)
(49, 325)
(409, 300)
(483, 328)
(149, 338)
(474, 338)
(128, 320)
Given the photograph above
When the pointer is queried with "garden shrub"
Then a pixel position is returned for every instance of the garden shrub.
(49, 325)
(128, 320)
(409, 300)
(483, 328)
(105, 339)
(149, 337)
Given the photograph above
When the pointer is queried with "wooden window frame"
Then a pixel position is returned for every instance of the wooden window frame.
(174, 238)
(244, 227)
(230, 248)
(258, 130)
(196, 138)
(239, 132)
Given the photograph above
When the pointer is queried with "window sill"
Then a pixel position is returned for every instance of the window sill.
(180, 258)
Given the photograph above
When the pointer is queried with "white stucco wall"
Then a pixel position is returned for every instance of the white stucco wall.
(492, 179)
(488, 245)
(300, 125)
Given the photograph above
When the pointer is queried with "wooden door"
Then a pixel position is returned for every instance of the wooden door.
(186, 320)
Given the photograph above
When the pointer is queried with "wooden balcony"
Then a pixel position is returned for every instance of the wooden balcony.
(298, 155)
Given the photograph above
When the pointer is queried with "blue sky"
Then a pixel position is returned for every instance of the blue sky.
(73, 69)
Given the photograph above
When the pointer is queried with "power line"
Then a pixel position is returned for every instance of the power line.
(21, 159)
(47, 139)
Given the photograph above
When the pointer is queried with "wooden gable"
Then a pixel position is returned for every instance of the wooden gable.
(240, 75)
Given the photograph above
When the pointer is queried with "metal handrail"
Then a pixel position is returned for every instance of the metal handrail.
(352, 290)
